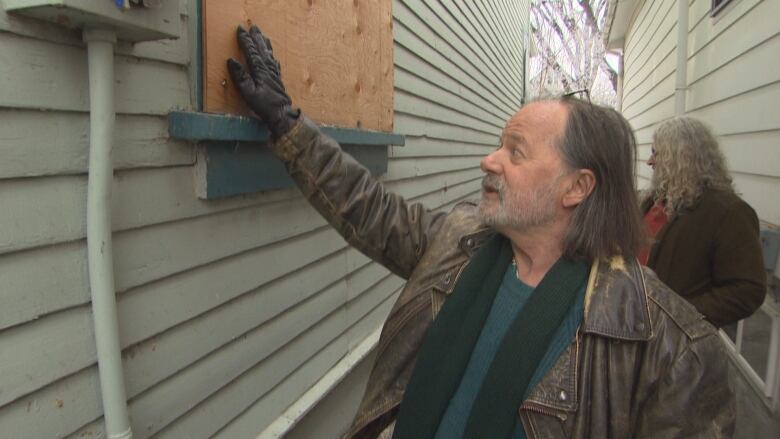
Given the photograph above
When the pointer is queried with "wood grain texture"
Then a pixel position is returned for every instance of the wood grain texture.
(336, 57)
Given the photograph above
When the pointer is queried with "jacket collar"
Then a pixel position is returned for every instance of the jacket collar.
(616, 301)
(471, 242)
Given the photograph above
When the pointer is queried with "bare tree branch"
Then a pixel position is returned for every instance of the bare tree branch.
(571, 52)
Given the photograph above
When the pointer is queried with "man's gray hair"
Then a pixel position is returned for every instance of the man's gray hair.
(688, 161)
(607, 223)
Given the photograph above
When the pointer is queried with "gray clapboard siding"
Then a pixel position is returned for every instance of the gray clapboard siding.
(494, 28)
(159, 347)
(332, 415)
(238, 394)
(449, 197)
(41, 211)
(301, 379)
(180, 298)
(174, 51)
(427, 110)
(427, 147)
(54, 77)
(422, 88)
(413, 125)
(56, 410)
(34, 143)
(147, 254)
(440, 183)
(410, 62)
(27, 353)
(39, 281)
(239, 368)
(406, 22)
(260, 409)
(67, 336)
(204, 373)
(417, 167)
(484, 45)
(451, 22)
(196, 338)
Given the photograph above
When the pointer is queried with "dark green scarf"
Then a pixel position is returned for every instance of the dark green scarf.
(451, 338)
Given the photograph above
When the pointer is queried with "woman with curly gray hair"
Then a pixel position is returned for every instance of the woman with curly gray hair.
(705, 239)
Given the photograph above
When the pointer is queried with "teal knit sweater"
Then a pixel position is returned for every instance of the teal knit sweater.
(511, 297)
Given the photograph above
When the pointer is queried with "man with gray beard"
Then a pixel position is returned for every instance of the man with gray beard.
(526, 315)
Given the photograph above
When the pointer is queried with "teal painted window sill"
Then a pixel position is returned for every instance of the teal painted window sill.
(231, 161)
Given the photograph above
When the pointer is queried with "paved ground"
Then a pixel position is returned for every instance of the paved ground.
(754, 421)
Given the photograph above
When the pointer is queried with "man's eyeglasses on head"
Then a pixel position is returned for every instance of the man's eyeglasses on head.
(577, 94)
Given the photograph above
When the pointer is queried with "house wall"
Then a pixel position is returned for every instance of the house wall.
(228, 310)
(733, 82)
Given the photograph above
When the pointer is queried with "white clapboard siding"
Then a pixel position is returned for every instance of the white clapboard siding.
(229, 310)
(733, 84)
(645, 46)
(649, 66)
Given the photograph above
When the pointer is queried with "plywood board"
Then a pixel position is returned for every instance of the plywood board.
(336, 57)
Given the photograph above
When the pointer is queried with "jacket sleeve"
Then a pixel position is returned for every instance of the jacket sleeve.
(738, 277)
(380, 224)
(694, 398)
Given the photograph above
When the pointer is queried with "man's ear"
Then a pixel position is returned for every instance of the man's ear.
(583, 184)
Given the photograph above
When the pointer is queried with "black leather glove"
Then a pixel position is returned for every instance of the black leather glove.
(262, 86)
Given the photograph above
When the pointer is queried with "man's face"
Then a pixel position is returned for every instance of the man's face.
(522, 188)
(651, 160)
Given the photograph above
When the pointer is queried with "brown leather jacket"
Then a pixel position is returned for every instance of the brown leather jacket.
(644, 362)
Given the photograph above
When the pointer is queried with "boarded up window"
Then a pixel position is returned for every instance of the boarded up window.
(336, 56)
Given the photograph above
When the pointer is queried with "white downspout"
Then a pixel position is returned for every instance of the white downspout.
(681, 82)
(100, 55)
(619, 91)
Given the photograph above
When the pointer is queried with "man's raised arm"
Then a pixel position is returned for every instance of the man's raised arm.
(380, 224)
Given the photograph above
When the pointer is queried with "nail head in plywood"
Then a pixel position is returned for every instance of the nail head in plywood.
(327, 51)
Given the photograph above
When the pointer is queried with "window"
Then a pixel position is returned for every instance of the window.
(717, 6)
(348, 87)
